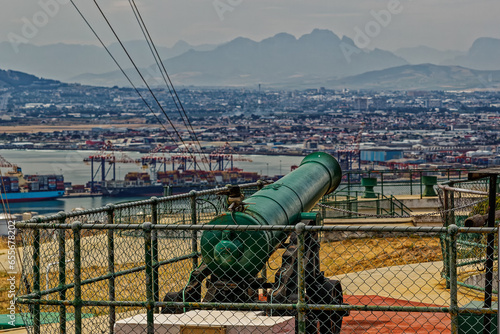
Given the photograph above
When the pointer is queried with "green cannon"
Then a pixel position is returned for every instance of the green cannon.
(243, 254)
(233, 258)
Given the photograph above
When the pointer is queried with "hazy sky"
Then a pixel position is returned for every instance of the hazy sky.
(443, 24)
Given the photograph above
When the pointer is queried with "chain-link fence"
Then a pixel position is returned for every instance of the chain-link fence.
(142, 268)
(466, 204)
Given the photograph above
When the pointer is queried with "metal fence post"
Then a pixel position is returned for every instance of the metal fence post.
(194, 219)
(111, 268)
(490, 250)
(323, 213)
(420, 181)
(348, 183)
(77, 302)
(447, 239)
(36, 280)
(167, 191)
(452, 236)
(301, 304)
(147, 227)
(62, 272)
(154, 251)
(411, 184)
(382, 183)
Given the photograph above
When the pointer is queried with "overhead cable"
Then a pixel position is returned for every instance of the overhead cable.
(163, 71)
(142, 78)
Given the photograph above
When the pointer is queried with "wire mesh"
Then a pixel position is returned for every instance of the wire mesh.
(116, 273)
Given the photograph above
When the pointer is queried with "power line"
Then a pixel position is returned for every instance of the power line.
(163, 71)
(123, 71)
(142, 77)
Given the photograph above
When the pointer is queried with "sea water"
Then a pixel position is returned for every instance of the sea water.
(75, 170)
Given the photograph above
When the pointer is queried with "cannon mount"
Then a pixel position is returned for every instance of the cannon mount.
(319, 289)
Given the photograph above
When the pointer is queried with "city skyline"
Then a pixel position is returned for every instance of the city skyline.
(385, 24)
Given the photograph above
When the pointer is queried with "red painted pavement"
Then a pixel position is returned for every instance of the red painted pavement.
(393, 322)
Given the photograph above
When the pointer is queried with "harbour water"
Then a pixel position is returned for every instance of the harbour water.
(71, 165)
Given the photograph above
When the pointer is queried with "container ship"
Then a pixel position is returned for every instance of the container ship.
(17, 187)
(140, 184)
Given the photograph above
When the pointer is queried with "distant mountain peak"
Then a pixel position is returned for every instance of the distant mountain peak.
(320, 34)
(485, 44)
(239, 42)
(348, 40)
(282, 36)
(181, 44)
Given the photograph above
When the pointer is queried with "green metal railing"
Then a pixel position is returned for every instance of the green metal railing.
(148, 224)
(398, 182)
(354, 202)
(35, 299)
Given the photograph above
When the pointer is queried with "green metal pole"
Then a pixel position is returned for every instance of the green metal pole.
(167, 191)
(382, 183)
(323, 215)
(77, 303)
(111, 268)
(420, 178)
(490, 242)
(301, 284)
(149, 277)
(154, 251)
(411, 184)
(36, 279)
(452, 235)
(62, 273)
(348, 184)
(446, 258)
(194, 219)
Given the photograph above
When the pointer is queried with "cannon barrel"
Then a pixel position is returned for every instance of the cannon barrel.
(241, 254)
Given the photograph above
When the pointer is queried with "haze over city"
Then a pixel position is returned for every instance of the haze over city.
(444, 24)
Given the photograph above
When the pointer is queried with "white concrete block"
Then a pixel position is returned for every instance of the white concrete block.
(234, 322)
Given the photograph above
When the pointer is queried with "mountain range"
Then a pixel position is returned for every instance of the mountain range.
(319, 58)
(65, 61)
(421, 77)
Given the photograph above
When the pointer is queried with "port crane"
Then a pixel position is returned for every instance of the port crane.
(224, 157)
(5, 163)
(348, 155)
(107, 154)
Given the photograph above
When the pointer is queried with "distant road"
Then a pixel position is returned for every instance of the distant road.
(52, 128)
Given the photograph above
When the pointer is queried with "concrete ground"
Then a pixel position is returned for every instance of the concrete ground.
(420, 282)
